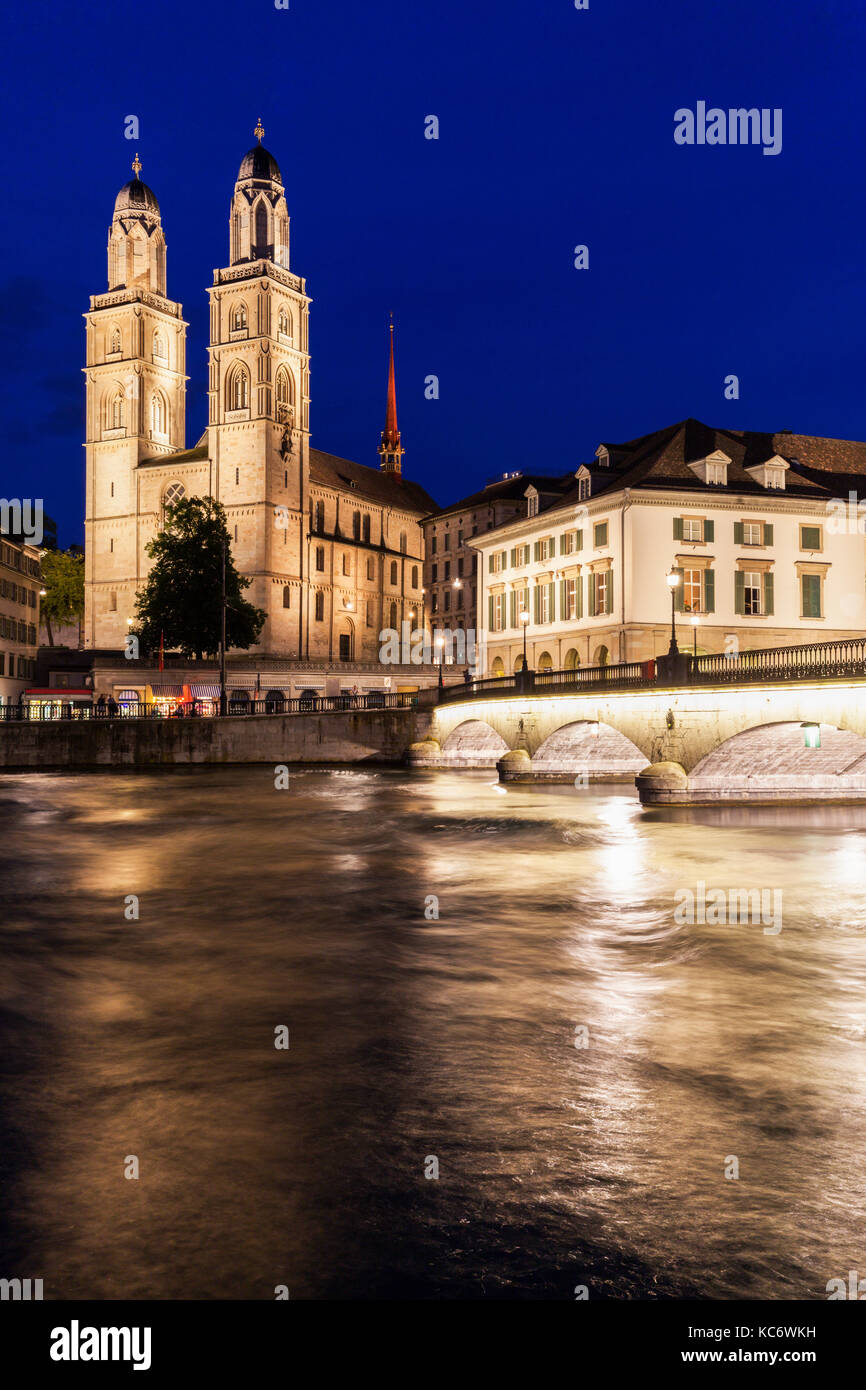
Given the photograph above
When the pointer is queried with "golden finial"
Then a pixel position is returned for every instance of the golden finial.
(259, 131)
(136, 165)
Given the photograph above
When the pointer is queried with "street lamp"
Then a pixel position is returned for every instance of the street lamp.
(440, 643)
(695, 622)
(673, 579)
(524, 621)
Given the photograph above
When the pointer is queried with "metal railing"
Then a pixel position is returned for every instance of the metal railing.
(626, 675)
(816, 661)
(206, 709)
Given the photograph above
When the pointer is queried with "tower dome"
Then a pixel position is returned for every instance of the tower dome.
(136, 197)
(259, 218)
(259, 163)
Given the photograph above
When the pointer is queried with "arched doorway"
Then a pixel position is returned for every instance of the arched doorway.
(498, 668)
(572, 660)
(275, 702)
(347, 642)
(601, 656)
(545, 662)
(518, 662)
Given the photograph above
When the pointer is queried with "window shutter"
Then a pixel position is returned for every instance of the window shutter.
(536, 550)
(678, 528)
(513, 609)
(551, 602)
(536, 596)
(709, 591)
(738, 534)
(739, 585)
(563, 602)
(490, 563)
(513, 556)
(608, 608)
(768, 592)
(490, 612)
(578, 597)
(768, 533)
(709, 530)
(579, 542)
(680, 593)
(590, 594)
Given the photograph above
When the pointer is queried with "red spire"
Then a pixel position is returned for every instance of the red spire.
(391, 449)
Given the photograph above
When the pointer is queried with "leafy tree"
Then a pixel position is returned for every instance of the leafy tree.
(181, 598)
(63, 582)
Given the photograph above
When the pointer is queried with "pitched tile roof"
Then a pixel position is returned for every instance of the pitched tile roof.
(388, 489)
(509, 489)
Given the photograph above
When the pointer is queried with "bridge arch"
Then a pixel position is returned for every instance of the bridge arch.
(787, 756)
(585, 745)
(473, 743)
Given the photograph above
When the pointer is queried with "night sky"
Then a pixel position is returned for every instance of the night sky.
(556, 129)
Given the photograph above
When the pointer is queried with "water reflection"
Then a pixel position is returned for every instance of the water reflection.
(414, 1035)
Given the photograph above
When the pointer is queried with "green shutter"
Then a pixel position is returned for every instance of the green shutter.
(512, 607)
(551, 602)
(490, 563)
(536, 550)
(680, 593)
(579, 543)
(578, 597)
(709, 531)
(678, 528)
(811, 595)
(489, 612)
(810, 538)
(536, 601)
(563, 607)
(513, 556)
(739, 584)
(590, 594)
(738, 533)
(608, 607)
(768, 533)
(709, 591)
(768, 593)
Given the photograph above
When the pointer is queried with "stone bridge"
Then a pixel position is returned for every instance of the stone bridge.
(790, 740)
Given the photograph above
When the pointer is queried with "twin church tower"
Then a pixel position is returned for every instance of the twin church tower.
(333, 548)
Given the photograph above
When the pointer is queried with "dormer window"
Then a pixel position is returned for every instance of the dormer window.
(603, 456)
(531, 496)
(770, 474)
(712, 470)
(584, 483)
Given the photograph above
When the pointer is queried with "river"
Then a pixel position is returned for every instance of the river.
(586, 1072)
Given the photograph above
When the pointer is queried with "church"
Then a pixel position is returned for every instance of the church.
(333, 549)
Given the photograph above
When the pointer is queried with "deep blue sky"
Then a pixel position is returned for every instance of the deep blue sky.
(556, 129)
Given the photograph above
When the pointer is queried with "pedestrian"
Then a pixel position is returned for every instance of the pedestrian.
(113, 707)
(466, 676)
(100, 707)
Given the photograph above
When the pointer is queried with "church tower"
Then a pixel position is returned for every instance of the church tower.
(391, 450)
(259, 413)
(136, 402)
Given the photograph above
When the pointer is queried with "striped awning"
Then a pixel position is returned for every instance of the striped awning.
(204, 692)
(167, 692)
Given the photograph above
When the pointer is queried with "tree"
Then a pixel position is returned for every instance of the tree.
(181, 598)
(63, 582)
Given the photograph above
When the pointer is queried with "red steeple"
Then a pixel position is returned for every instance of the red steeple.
(391, 449)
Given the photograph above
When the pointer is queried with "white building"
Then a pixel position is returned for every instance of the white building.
(750, 522)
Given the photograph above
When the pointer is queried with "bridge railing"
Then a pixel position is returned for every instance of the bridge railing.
(236, 708)
(625, 675)
(813, 661)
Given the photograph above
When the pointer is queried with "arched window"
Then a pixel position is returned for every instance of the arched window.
(115, 414)
(287, 596)
(414, 576)
(393, 571)
(393, 622)
(320, 517)
(370, 567)
(320, 558)
(402, 542)
(284, 393)
(284, 323)
(366, 528)
(116, 341)
(261, 224)
(356, 525)
(158, 345)
(320, 607)
(238, 388)
(173, 493)
(239, 317)
(157, 413)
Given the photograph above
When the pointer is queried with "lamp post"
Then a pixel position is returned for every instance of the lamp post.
(673, 580)
(695, 622)
(440, 643)
(524, 623)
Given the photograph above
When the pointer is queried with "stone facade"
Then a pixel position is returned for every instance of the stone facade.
(20, 583)
(334, 549)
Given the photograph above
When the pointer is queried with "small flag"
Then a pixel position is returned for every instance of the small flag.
(161, 652)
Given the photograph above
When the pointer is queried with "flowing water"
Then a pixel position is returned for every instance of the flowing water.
(416, 1041)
